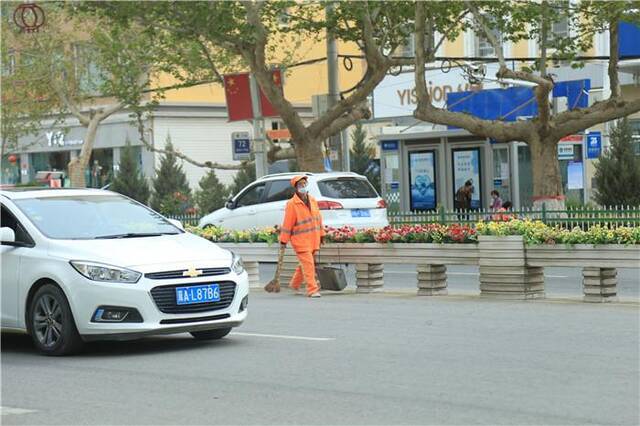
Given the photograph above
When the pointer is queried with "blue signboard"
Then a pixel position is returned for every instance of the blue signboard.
(241, 145)
(390, 145)
(511, 103)
(628, 36)
(594, 144)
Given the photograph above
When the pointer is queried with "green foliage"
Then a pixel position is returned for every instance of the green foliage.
(212, 194)
(618, 171)
(536, 232)
(129, 180)
(361, 155)
(244, 177)
(171, 192)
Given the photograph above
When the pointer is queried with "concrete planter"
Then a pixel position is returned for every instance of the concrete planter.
(504, 272)
(599, 280)
(508, 268)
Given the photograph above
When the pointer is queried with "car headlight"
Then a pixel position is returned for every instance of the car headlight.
(236, 264)
(105, 273)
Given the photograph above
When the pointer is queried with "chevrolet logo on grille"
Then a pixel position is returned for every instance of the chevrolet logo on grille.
(192, 272)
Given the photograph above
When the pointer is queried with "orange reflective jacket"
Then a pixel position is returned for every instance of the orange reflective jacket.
(302, 226)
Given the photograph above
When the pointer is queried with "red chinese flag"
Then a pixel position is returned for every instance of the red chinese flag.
(238, 94)
(265, 106)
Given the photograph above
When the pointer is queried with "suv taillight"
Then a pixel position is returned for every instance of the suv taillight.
(382, 204)
(329, 205)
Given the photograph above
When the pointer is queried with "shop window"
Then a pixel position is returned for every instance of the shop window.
(484, 48)
(10, 169)
(408, 48)
(100, 169)
(88, 74)
(525, 176)
(501, 172)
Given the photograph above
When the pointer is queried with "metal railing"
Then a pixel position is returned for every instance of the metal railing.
(186, 219)
(582, 217)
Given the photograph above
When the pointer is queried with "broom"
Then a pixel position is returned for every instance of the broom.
(274, 284)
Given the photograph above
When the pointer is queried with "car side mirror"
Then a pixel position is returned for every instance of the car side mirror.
(176, 223)
(230, 205)
(7, 236)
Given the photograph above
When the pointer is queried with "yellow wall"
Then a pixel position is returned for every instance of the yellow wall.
(454, 48)
(300, 83)
(521, 49)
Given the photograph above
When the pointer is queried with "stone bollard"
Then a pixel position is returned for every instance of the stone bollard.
(600, 284)
(369, 277)
(504, 273)
(253, 270)
(432, 280)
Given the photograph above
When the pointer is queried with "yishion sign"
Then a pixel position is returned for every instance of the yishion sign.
(396, 95)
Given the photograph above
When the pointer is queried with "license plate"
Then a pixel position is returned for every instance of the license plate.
(198, 294)
(360, 213)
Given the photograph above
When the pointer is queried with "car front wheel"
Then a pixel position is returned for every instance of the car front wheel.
(51, 323)
(216, 334)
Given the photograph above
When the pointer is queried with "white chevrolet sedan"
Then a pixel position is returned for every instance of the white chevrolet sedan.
(82, 264)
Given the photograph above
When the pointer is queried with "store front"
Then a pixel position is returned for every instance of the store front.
(52, 151)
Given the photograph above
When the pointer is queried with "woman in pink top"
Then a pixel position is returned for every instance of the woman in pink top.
(496, 201)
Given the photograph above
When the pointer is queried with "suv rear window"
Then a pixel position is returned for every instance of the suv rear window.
(347, 188)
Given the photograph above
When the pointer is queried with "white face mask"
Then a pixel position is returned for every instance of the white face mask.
(303, 189)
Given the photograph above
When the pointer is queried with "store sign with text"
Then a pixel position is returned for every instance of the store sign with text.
(396, 95)
(58, 139)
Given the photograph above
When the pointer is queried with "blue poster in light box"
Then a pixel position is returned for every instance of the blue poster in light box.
(422, 176)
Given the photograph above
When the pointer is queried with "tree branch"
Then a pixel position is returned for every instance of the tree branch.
(570, 122)
(212, 64)
(257, 60)
(614, 82)
(359, 113)
(542, 90)
(424, 100)
(377, 67)
(498, 130)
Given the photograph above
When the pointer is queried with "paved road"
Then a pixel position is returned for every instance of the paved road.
(559, 282)
(350, 359)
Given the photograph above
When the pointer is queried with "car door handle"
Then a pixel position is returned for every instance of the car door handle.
(252, 211)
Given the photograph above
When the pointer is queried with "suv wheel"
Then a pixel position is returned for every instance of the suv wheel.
(215, 334)
(51, 323)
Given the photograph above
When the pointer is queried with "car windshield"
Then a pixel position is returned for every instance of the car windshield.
(93, 217)
(347, 188)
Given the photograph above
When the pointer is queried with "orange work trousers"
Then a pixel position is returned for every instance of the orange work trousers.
(306, 272)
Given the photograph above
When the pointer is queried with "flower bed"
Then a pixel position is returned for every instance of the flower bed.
(536, 233)
(533, 233)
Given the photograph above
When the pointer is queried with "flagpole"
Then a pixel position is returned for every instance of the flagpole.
(259, 148)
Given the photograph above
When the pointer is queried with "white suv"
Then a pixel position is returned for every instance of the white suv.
(343, 198)
(80, 265)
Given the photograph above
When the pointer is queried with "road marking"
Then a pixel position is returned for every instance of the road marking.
(6, 411)
(281, 336)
